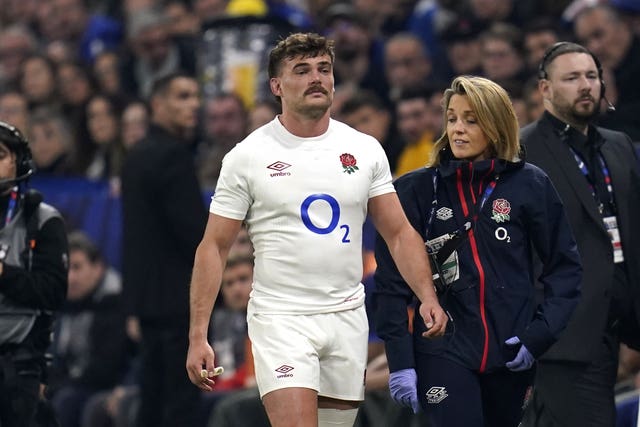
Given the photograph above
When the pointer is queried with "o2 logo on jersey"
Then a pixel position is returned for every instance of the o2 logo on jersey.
(335, 215)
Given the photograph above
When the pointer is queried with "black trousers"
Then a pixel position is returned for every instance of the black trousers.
(576, 395)
(167, 396)
(19, 391)
(454, 396)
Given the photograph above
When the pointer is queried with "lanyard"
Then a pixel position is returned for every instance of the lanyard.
(607, 180)
(13, 199)
(434, 203)
(487, 192)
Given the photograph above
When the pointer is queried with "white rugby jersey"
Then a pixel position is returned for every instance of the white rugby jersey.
(304, 200)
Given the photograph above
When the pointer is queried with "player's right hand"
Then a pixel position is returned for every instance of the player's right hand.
(435, 318)
(201, 357)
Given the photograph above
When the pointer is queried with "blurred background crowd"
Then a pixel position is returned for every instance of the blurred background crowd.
(75, 76)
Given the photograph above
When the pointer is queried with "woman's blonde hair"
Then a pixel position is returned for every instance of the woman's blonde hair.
(494, 112)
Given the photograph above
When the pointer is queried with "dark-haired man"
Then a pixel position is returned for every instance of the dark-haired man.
(164, 217)
(596, 174)
(304, 183)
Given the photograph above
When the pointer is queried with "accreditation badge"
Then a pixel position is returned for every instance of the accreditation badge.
(450, 267)
(611, 224)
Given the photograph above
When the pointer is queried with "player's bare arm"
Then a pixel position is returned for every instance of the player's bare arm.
(408, 252)
(209, 262)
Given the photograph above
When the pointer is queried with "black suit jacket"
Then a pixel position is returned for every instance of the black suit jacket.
(546, 149)
(164, 218)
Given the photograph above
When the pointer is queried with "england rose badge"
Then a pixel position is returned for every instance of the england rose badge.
(348, 163)
(501, 209)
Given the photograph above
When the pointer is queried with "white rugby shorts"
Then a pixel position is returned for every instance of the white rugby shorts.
(325, 352)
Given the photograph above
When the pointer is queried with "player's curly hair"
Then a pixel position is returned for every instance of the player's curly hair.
(306, 45)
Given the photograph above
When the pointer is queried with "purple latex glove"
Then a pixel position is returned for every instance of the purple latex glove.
(523, 360)
(404, 389)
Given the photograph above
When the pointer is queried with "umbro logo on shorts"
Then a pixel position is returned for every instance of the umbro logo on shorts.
(436, 394)
(284, 371)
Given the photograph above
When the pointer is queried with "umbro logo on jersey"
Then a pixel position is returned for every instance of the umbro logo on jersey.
(284, 371)
(279, 167)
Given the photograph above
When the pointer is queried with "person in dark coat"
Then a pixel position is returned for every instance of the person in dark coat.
(164, 217)
(596, 173)
(482, 211)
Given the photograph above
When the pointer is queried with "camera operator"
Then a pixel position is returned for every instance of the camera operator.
(33, 281)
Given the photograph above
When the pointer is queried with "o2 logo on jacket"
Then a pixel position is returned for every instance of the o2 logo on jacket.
(335, 215)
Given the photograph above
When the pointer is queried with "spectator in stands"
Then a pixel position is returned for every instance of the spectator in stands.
(228, 329)
(17, 43)
(406, 63)
(365, 111)
(99, 152)
(181, 20)
(58, 52)
(225, 123)
(153, 53)
(463, 49)
(90, 348)
(23, 11)
(596, 173)
(602, 30)
(428, 20)
(629, 11)
(38, 82)
(508, 11)
(242, 246)
(419, 117)
(503, 55)
(134, 123)
(534, 102)
(87, 34)
(14, 108)
(262, 112)
(359, 52)
(75, 87)
(209, 10)
(539, 35)
(51, 143)
(163, 220)
(106, 70)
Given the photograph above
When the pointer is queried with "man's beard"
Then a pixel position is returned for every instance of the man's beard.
(577, 116)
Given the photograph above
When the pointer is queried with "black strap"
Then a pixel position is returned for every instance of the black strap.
(453, 243)
(32, 200)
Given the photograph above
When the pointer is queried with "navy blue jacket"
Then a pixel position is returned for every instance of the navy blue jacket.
(491, 274)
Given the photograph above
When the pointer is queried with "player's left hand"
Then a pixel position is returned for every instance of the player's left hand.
(434, 318)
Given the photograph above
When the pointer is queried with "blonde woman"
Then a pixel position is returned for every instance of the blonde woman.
(481, 209)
